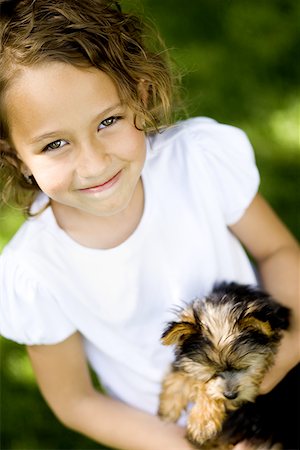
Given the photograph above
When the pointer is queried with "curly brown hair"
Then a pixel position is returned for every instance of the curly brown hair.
(82, 33)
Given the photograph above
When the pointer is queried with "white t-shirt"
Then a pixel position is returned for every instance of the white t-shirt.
(199, 177)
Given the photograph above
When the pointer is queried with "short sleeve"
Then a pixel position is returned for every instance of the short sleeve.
(229, 159)
(28, 312)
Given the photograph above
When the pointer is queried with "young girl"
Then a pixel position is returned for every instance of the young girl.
(126, 217)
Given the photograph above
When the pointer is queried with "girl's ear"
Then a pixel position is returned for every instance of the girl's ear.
(143, 89)
(26, 172)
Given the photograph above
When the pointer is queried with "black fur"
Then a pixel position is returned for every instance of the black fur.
(266, 307)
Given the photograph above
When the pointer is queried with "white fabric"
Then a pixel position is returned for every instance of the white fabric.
(199, 177)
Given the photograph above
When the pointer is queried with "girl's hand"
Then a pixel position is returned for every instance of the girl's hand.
(287, 357)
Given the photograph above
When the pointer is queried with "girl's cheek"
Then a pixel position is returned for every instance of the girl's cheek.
(138, 150)
(51, 182)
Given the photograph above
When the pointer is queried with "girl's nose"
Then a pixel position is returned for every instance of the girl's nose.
(92, 160)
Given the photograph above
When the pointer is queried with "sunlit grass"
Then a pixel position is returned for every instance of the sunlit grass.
(10, 221)
(285, 126)
(19, 369)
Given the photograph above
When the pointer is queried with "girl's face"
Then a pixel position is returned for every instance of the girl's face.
(75, 137)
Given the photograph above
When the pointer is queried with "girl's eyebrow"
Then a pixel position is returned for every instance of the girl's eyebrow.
(51, 134)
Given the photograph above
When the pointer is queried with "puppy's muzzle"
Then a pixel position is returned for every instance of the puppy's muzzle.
(230, 395)
(230, 384)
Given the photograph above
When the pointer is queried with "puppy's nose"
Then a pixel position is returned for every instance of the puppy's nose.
(230, 395)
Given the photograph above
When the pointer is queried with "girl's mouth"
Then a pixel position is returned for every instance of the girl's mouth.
(102, 187)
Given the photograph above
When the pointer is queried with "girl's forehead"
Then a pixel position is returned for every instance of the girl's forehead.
(61, 75)
(57, 83)
(58, 94)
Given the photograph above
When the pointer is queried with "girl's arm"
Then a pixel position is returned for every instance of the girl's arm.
(277, 255)
(63, 376)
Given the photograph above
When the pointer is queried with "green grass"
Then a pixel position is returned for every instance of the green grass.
(26, 422)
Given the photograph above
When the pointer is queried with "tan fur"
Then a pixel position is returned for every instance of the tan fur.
(206, 417)
(252, 322)
(187, 315)
(217, 325)
(179, 332)
(178, 390)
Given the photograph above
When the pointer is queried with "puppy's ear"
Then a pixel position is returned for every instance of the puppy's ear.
(252, 323)
(177, 332)
(279, 316)
(265, 315)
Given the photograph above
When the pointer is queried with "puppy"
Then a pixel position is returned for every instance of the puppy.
(224, 345)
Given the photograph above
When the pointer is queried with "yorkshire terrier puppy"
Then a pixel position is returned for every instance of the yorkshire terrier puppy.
(224, 344)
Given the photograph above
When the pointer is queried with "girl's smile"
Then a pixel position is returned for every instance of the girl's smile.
(102, 186)
(76, 137)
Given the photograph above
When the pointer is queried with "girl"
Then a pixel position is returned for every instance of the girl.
(126, 217)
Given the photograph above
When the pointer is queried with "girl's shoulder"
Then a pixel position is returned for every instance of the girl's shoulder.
(197, 130)
(29, 312)
(203, 143)
(213, 157)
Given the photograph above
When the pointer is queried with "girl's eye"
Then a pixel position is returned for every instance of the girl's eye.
(108, 122)
(55, 145)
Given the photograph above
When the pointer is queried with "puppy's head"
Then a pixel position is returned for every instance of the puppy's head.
(228, 340)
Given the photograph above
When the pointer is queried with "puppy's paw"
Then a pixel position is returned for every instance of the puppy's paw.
(200, 434)
(168, 414)
(205, 420)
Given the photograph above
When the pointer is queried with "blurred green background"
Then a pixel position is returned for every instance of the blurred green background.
(241, 67)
